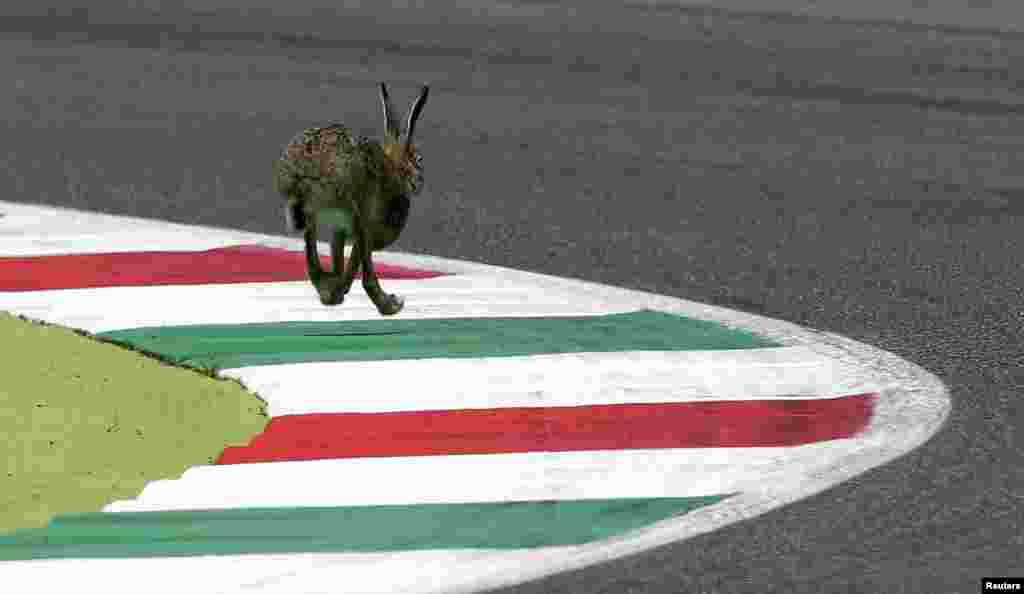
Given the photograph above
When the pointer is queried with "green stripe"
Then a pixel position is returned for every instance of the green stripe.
(341, 529)
(242, 345)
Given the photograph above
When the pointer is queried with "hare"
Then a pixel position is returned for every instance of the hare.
(354, 186)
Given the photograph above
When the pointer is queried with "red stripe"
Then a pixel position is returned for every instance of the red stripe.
(556, 429)
(234, 264)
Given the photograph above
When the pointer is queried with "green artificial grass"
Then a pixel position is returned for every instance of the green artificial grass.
(87, 422)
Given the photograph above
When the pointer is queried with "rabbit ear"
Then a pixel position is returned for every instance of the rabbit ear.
(390, 126)
(414, 114)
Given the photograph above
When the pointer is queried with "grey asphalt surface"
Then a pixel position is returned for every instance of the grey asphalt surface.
(851, 176)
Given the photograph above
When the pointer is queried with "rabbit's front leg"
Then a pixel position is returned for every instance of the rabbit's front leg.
(387, 304)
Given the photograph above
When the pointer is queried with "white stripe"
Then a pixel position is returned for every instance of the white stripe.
(112, 308)
(413, 572)
(27, 230)
(32, 231)
(100, 244)
(575, 379)
(534, 476)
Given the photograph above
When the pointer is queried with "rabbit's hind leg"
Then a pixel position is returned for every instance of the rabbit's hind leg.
(344, 271)
(354, 262)
(327, 284)
(386, 303)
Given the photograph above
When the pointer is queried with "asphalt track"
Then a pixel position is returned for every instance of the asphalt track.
(851, 176)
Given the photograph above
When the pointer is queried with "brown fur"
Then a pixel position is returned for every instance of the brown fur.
(328, 168)
(398, 161)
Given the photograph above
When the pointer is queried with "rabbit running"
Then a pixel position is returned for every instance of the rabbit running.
(355, 186)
